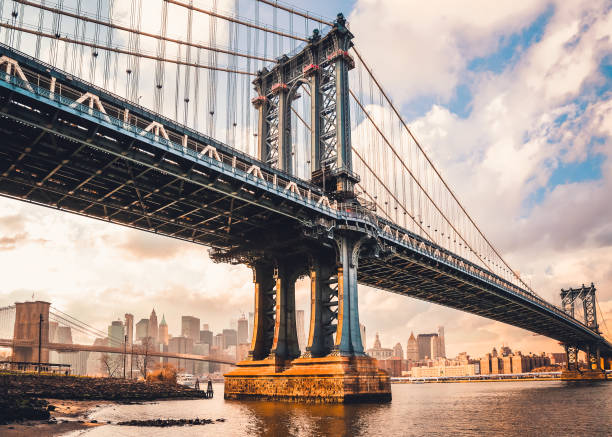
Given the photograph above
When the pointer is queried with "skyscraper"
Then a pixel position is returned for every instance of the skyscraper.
(412, 349)
(363, 335)
(251, 324)
(116, 333)
(230, 338)
(301, 335)
(129, 328)
(153, 331)
(243, 330)
(162, 334)
(428, 346)
(142, 329)
(206, 336)
(441, 344)
(398, 351)
(190, 328)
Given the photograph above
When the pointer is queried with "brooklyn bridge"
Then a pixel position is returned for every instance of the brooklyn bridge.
(276, 148)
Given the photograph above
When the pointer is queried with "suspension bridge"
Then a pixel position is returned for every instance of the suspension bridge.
(258, 130)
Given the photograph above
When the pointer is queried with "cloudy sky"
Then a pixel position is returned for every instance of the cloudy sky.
(512, 100)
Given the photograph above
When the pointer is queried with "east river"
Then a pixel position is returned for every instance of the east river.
(468, 409)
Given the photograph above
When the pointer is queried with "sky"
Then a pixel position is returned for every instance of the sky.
(511, 100)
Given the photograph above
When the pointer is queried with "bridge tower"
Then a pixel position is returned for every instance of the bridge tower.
(569, 298)
(30, 329)
(334, 367)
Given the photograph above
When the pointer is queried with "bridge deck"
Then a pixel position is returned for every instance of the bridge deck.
(68, 156)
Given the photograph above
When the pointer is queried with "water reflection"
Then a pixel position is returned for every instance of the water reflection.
(490, 408)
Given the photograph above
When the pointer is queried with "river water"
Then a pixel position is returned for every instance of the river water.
(546, 408)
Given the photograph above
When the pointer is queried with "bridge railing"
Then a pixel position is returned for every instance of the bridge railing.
(68, 96)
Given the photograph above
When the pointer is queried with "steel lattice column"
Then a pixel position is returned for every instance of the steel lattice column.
(285, 343)
(263, 324)
(348, 334)
(572, 357)
(324, 295)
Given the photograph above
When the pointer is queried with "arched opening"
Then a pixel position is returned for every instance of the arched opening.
(300, 137)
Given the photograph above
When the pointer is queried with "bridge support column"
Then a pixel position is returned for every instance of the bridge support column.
(323, 308)
(573, 372)
(28, 328)
(285, 345)
(263, 323)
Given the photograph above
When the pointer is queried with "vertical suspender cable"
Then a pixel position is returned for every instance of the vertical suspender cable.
(187, 91)
(160, 66)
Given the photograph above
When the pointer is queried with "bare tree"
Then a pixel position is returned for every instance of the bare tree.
(144, 361)
(112, 364)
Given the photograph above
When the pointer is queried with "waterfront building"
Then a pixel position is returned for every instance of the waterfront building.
(116, 333)
(398, 352)
(129, 328)
(243, 328)
(190, 328)
(437, 371)
(379, 352)
(162, 334)
(412, 349)
(142, 329)
(153, 331)
(514, 363)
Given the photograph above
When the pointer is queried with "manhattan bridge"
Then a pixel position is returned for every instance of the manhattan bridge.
(258, 130)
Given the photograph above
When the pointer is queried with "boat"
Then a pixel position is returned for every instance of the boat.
(186, 379)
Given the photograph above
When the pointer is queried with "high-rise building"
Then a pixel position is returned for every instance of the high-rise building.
(362, 330)
(251, 324)
(441, 343)
(412, 349)
(153, 329)
(181, 345)
(243, 330)
(301, 335)
(53, 332)
(116, 333)
(64, 334)
(162, 334)
(129, 328)
(218, 341)
(142, 329)
(428, 346)
(230, 338)
(206, 336)
(190, 328)
(398, 351)
(205, 327)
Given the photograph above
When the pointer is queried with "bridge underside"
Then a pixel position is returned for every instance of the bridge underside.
(53, 158)
(416, 276)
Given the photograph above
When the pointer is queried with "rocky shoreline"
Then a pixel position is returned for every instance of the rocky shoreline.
(45, 398)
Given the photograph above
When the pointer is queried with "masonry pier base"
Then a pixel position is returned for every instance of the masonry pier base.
(583, 375)
(331, 379)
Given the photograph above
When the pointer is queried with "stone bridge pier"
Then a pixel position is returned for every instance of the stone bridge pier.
(334, 367)
(29, 328)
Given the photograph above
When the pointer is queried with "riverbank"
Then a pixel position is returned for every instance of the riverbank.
(455, 381)
(59, 402)
(64, 416)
